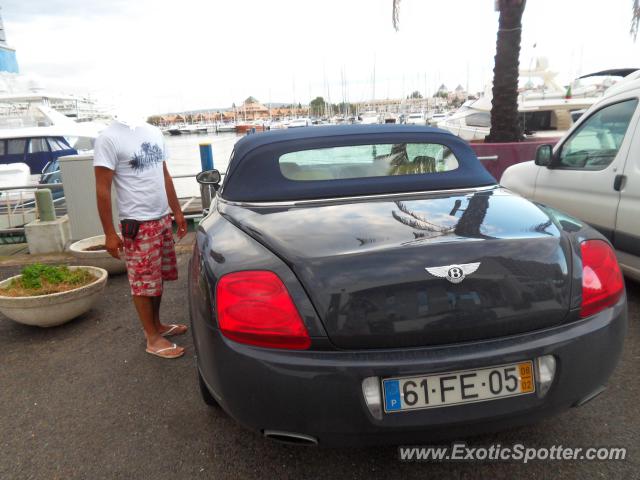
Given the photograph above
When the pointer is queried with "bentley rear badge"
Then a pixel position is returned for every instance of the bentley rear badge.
(453, 273)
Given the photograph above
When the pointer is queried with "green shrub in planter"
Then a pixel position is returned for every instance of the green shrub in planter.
(38, 279)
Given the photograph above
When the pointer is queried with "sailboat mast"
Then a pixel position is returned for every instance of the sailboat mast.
(373, 98)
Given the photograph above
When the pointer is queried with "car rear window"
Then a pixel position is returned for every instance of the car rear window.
(364, 161)
(348, 161)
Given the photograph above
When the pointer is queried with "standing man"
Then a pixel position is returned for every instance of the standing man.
(131, 154)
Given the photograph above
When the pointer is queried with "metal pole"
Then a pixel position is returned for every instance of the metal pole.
(206, 160)
(206, 156)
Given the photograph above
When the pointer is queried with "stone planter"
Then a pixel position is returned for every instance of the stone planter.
(97, 258)
(55, 308)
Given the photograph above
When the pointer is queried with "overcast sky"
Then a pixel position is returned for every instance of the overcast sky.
(175, 55)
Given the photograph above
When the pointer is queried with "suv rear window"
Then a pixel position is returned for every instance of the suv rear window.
(364, 161)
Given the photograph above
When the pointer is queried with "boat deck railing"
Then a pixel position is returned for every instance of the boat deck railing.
(18, 207)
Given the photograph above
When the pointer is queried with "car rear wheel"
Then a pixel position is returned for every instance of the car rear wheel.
(206, 394)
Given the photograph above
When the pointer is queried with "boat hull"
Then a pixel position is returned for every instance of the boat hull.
(244, 128)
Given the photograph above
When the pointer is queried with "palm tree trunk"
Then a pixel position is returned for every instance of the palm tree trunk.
(473, 216)
(505, 125)
(396, 15)
(635, 19)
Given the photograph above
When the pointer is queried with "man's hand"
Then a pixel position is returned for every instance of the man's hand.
(182, 225)
(113, 244)
(174, 204)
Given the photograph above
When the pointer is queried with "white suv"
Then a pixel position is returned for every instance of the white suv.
(593, 172)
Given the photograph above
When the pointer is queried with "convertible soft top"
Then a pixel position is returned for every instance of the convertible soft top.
(254, 173)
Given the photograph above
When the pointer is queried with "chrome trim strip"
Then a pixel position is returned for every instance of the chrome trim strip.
(296, 438)
(295, 203)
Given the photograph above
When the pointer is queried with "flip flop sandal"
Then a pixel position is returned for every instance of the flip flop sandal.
(159, 353)
(173, 329)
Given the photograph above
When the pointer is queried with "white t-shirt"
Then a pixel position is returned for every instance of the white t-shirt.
(136, 156)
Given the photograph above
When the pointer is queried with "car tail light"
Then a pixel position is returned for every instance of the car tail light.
(254, 307)
(602, 282)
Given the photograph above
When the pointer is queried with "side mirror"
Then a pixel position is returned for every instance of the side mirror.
(208, 177)
(544, 155)
(209, 181)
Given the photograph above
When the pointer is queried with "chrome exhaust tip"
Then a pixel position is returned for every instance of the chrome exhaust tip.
(291, 438)
(591, 396)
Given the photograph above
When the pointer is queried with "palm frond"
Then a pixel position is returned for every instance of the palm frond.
(396, 14)
(635, 19)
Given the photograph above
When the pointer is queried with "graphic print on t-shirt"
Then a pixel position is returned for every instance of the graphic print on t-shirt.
(146, 157)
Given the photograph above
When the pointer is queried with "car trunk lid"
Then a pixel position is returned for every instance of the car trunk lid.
(364, 264)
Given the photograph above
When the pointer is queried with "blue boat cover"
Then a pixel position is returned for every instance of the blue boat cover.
(254, 173)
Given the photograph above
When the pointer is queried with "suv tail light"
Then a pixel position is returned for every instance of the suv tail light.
(602, 282)
(254, 307)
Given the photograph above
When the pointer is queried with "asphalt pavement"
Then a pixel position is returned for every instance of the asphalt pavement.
(84, 401)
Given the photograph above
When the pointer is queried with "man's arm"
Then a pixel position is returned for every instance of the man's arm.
(104, 177)
(174, 204)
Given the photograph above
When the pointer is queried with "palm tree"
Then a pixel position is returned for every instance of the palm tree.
(505, 125)
(468, 225)
(635, 18)
(396, 14)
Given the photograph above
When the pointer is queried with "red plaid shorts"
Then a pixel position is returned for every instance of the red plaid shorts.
(151, 257)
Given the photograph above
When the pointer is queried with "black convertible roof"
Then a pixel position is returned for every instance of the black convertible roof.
(254, 174)
(252, 141)
(249, 142)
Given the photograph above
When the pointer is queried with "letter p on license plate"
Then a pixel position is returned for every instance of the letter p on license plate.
(454, 388)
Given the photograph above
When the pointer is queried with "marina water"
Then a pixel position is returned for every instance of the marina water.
(184, 157)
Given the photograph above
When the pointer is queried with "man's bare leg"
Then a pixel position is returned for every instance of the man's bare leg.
(145, 307)
(156, 313)
(163, 327)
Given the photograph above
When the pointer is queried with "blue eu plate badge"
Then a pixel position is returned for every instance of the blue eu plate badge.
(392, 395)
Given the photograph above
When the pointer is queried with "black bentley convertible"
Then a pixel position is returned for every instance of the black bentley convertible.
(372, 284)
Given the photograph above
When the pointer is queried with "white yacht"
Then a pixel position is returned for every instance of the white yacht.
(37, 126)
(226, 127)
(369, 117)
(299, 122)
(545, 111)
(416, 118)
(541, 118)
(35, 135)
(434, 118)
(273, 125)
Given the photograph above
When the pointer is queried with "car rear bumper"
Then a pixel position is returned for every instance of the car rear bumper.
(319, 393)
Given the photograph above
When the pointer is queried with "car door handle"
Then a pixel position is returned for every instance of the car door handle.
(618, 182)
